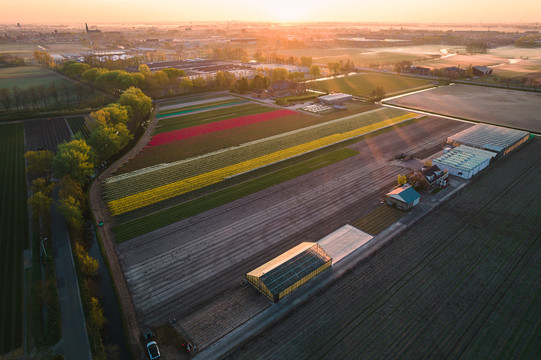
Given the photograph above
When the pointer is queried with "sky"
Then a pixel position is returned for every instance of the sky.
(145, 11)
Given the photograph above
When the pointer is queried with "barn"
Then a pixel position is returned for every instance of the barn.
(488, 137)
(464, 161)
(289, 271)
(404, 197)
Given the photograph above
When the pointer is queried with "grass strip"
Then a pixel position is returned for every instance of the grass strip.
(189, 109)
(378, 219)
(196, 106)
(171, 215)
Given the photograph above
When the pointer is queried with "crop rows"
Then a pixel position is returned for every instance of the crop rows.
(127, 184)
(45, 134)
(168, 191)
(14, 234)
(188, 98)
(461, 284)
(198, 107)
(170, 215)
(184, 121)
(77, 125)
(176, 135)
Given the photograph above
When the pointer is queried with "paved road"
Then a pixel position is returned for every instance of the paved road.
(74, 343)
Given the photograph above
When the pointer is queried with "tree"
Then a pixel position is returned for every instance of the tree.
(5, 97)
(110, 115)
(242, 85)
(40, 204)
(278, 74)
(39, 163)
(137, 102)
(402, 179)
(70, 208)
(96, 314)
(88, 265)
(173, 73)
(377, 94)
(333, 67)
(74, 158)
(109, 140)
(44, 59)
(43, 186)
(92, 74)
(306, 61)
(315, 71)
(75, 69)
(71, 188)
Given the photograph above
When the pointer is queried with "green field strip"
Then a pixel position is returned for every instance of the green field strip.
(189, 98)
(202, 108)
(14, 230)
(171, 215)
(207, 117)
(173, 111)
(378, 219)
(363, 84)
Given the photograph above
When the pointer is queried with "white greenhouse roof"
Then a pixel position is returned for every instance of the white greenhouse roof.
(489, 137)
(332, 97)
(465, 158)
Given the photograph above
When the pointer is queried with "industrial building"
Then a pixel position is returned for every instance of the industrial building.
(289, 271)
(464, 161)
(335, 99)
(403, 198)
(488, 137)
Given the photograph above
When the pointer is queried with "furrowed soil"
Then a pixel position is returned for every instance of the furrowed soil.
(174, 270)
(461, 283)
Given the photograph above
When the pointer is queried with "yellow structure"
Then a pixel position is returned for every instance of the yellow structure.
(289, 271)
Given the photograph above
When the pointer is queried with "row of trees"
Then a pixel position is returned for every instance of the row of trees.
(44, 97)
(74, 163)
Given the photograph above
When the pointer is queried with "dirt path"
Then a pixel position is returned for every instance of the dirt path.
(101, 214)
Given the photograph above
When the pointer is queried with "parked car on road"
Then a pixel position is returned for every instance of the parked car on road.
(153, 351)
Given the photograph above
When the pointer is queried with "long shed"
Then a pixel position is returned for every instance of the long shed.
(464, 161)
(289, 271)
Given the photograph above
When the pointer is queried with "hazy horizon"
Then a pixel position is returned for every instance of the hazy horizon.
(160, 11)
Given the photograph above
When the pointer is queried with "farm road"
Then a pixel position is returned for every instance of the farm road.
(99, 209)
(74, 343)
(174, 269)
(461, 283)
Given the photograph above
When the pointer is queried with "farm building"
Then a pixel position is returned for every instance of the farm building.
(289, 271)
(334, 99)
(404, 197)
(283, 88)
(481, 70)
(435, 178)
(488, 137)
(464, 161)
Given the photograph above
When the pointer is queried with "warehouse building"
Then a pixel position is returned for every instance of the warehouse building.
(464, 161)
(403, 198)
(289, 271)
(335, 99)
(488, 137)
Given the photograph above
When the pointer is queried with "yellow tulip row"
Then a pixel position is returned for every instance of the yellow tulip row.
(168, 191)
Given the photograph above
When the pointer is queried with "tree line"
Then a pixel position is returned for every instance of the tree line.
(74, 164)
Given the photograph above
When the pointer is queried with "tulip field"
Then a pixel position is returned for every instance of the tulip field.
(14, 239)
(144, 187)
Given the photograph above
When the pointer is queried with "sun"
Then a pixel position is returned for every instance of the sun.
(286, 11)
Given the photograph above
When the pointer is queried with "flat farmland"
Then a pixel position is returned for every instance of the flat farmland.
(365, 56)
(26, 76)
(46, 133)
(364, 84)
(179, 267)
(461, 283)
(510, 108)
(14, 235)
